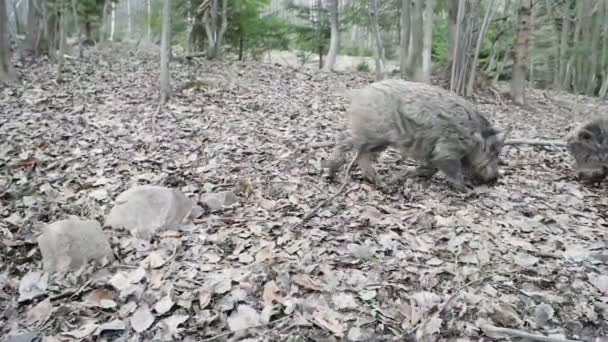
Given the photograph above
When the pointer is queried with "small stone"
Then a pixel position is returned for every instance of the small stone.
(66, 245)
(216, 201)
(145, 210)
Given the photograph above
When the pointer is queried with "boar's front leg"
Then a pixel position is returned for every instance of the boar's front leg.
(365, 161)
(448, 160)
(452, 168)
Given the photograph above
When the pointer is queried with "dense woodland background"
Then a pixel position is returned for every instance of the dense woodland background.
(546, 44)
(252, 99)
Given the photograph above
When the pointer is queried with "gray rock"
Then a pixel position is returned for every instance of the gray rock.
(66, 245)
(216, 201)
(145, 210)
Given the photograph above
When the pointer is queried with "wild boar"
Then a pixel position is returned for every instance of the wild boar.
(430, 124)
(588, 145)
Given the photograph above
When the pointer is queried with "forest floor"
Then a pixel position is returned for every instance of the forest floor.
(420, 262)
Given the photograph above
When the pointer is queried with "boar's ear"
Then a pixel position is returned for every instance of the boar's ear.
(497, 137)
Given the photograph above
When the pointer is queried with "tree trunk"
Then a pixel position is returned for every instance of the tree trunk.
(453, 8)
(62, 39)
(482, 32)
(36, 28)
(129, 18)
(373, 17)
(521, 53)
(149, 19)
(564, 51)
(404, 39)
(416, 33)
(427, 41)
(215, 27)
(334, 44)
(104, 21)
(113, 21)
(165, 46)
(78, 26)
(594, 71)
(6, 67)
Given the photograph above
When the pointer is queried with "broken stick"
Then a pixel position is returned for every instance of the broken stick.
(314, 211)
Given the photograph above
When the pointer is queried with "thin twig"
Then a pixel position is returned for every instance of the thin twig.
(535, 142)
(154, 115)
(224, 334)
(314, 211)
(447, 302)
(522, 334)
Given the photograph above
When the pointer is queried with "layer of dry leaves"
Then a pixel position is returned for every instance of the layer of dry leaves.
(419, 262)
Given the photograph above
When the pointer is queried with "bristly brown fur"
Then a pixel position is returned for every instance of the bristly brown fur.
(588, 145)
(441, 129)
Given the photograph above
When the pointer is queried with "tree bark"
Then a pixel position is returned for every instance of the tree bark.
(149, 19)
(78, 26)
(36, 28)
(373, 16)
(427, 41)
(334, 44)
(404, 39)
(521, 53)
(113, 21)
(62, 39)
(6, 67)
(416, 33)
(165, 81)
(482, 32)
(216, 24)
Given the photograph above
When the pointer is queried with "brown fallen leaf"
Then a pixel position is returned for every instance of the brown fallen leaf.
(204, 298)
(272, 293)
(40, 313)
(164, 305)
(142, 318)
(244, 317)
(305, 281)
(330, 320)
(100, 298)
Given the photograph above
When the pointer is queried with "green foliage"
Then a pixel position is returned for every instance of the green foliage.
(440, 41)
(248, 30)
(310, 35)
(363, 66)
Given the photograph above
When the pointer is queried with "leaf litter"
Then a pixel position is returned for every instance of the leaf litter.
(525, 256)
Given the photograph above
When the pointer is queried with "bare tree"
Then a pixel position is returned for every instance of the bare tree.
(165, 46)
(149, 19)
(521, 53)
(61, 37)
(416, 33)
(427, 41)
(466, 30)
(112, 20)
(36, 27)
(482, 32)
(404, 40)
(129, 18)
(78, 27)
(215, 19)
(334, 44)
(6, 68)
(373, 17)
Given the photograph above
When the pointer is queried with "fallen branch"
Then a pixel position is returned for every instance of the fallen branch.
(522, 334)
(213, 338)
(314, 211)
(190, 56)
(533, 142)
